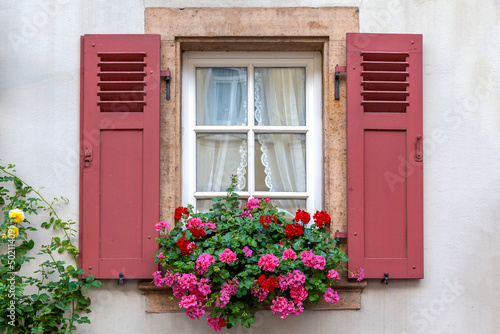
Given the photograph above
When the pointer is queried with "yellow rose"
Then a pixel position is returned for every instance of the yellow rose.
(13, 231)
(4, 236)
(16, 215)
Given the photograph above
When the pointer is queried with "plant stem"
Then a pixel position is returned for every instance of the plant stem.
(49, 205)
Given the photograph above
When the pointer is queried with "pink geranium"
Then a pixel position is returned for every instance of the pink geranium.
(333, 274)
(203, 262)
(247, 251)
(359, 273)
(253, 203)
(227, 290)
(289, 254)
(161, 225)
(268, 262)
(313, 261)
(299, 294)
(331, 296)
(227, 256)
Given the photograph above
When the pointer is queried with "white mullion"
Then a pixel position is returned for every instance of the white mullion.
(250, 136)
(220, 129)
(309, 120)
(192, 134)
(281, 129)
(219, 194)
(281, 194)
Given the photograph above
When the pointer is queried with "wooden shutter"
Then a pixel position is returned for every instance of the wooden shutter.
(119, 182)
(384, 154)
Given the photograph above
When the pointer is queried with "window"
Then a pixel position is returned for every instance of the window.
(256, 116)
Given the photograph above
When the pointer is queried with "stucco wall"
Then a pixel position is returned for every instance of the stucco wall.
(39, 132)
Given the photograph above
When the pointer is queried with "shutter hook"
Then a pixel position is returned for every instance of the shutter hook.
(120, 279)
(386, 278)
(167, 79)
(338, 69)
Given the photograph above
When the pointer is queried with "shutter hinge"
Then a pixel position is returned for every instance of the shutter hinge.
(166, 74)
(338, 69)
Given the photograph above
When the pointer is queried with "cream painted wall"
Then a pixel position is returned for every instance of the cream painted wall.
(39, 125)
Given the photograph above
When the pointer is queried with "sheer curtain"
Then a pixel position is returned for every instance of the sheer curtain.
(280, 101)
(221, 99)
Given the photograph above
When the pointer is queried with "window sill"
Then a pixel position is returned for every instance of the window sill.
(158, 301)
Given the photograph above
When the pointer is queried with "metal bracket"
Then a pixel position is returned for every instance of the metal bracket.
(166, 74)
(120, 279)
(386, 278)
(339, 236)
(338, 69)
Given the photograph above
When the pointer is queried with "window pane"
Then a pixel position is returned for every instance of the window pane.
(289, 206)
(221, 96)
(218, 156)
(280, 96)
(280, 162)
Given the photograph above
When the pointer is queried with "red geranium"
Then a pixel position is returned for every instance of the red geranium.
(183, 243)
(302, 216)
(180, 212)
(269, 284)
(197, 232)
(321, 218)
(265, 220)
(293, 230)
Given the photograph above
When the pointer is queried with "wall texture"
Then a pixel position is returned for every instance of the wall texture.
(39, 125)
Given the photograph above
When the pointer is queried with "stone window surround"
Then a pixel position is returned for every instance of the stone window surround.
(255, 29)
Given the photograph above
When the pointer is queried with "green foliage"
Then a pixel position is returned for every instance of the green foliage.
(56, 302)
(236, 229)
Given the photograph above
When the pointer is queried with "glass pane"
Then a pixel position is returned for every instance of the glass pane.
(221, 96)
(280, 162)
(204, 205)
(289, 206)
(280, 96)
(218, 156)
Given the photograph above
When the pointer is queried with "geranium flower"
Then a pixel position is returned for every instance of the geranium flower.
(359, 273)
(181, 212)
(197, 232)
(16, 215)
(289, 254)
(321, 218)
(293, 230)
(268, 262)
(161, 225)
(195, 222)
(333, 274)
(331, 296)
(204, 261)
(216, 323)
(253, 203)
(247, 251)
(227, 256)
(302, 216)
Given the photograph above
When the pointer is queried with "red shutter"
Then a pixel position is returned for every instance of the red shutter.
(384, 154)
(119, 183)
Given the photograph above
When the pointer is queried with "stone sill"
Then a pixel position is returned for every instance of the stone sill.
(158, 298)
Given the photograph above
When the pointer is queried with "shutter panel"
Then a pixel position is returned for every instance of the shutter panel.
(119, 182)
(384, 154)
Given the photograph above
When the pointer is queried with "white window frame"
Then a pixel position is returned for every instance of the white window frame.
(313, 129)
